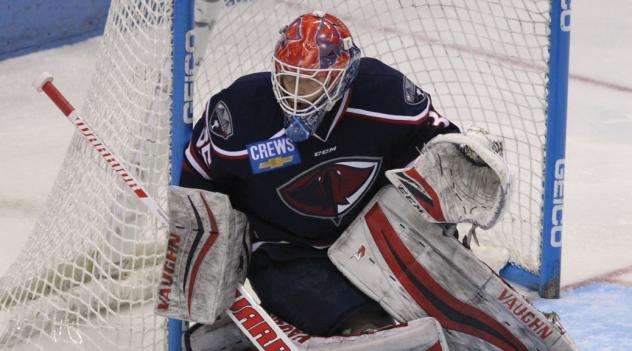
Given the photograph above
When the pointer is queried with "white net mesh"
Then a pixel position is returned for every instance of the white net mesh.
(484, 63)
(86, 275)
(85, 278)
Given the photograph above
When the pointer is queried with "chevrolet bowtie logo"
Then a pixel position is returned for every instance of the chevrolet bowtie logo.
(275, 162)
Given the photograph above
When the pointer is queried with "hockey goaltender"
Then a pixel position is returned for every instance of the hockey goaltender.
(334, 186)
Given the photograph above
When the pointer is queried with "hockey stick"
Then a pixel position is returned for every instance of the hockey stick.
(264, 333)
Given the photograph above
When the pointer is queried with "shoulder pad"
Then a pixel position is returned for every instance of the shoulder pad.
(382, 92)
(243, 113)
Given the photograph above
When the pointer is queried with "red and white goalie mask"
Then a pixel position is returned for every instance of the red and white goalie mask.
(315, 61)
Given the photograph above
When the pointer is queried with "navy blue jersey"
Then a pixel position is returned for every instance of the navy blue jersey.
(309, 192)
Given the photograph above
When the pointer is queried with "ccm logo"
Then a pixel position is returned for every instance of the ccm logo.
(558, 202)
(324, 152)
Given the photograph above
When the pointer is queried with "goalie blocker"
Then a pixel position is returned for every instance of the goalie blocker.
(207, 256)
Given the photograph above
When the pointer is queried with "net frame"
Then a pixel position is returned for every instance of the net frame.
(507, 72)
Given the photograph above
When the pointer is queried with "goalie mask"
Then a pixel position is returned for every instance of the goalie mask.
(315, 61)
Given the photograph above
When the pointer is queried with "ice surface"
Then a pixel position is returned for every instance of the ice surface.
(34, 135)
(596, 315)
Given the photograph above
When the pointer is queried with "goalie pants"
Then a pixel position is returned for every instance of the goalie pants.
(303, 287)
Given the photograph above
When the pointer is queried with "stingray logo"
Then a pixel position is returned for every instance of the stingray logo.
(331, 189)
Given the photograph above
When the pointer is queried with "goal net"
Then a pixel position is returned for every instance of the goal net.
(86, 277)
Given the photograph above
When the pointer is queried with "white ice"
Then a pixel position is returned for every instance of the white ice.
(598, 188)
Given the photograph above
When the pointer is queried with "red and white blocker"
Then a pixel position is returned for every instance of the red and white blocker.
(413, 270)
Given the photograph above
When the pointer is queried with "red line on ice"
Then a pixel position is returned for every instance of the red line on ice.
(609, 277)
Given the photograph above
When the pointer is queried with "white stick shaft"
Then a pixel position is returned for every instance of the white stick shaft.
(131, 182)
(134, 185)
(281, 341)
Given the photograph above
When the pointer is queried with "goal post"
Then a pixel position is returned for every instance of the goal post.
(182, 112)
(86, 277)
(556, 150)
(547, 280)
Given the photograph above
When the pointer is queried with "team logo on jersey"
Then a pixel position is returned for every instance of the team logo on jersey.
(413, 95)
(221, 123)
(271, 154)
(331, 189)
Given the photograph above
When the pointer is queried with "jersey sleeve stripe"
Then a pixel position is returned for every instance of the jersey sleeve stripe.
(187, 166)
(388, 118)
(195, 164)
(228, 154)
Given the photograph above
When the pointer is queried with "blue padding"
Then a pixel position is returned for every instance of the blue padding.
(27, 26)
(182, 110)
(519, 275)
(551, 250)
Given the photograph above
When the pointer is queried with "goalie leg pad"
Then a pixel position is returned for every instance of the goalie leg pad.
(424, 334)
(222, 335)
(413, 270)
(206, 258)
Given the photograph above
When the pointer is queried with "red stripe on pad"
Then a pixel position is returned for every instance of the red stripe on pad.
(214, 233)
(393, 249)
(435, 209)
(436, 347)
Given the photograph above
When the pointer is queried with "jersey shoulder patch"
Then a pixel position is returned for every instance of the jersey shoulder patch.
(413, 95)
(220, 122)
(244, 112)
